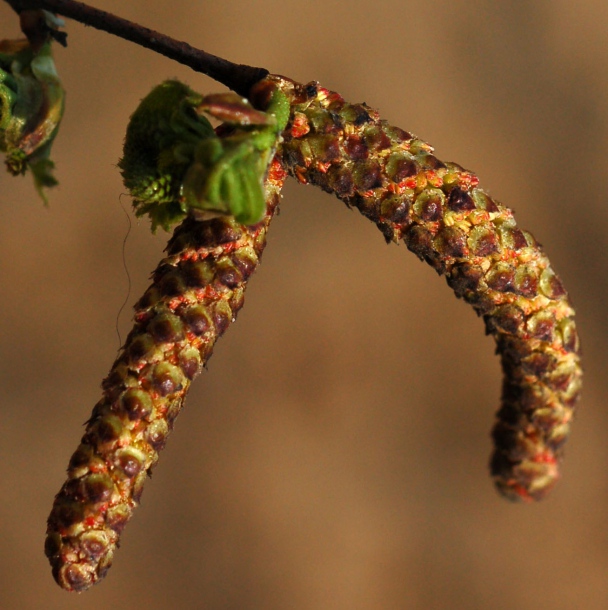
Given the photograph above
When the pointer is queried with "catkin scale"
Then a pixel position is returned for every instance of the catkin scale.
(196, 293)
(394, 179)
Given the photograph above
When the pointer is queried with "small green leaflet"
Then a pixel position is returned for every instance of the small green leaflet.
(31, 108)
(174, 163)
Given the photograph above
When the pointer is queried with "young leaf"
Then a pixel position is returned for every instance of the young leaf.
(174, 163)
(31, 108)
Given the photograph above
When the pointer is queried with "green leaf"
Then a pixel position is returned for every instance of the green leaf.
(174, 162)
(159, 147)
(31, 109)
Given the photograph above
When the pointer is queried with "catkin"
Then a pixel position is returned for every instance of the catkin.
(394, 179)
(196, 293)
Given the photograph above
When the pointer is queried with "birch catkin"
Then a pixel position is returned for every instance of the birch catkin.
(437, 208)
(196, 293)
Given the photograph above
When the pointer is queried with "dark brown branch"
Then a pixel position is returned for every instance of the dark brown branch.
(238, 77)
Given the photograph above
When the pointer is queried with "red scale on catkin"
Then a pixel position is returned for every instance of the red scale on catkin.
(197, 291)
(394, 179)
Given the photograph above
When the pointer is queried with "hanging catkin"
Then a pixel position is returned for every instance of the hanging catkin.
(196, 293)
(394, 179)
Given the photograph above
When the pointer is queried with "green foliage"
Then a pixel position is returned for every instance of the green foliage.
(159, 147)
(174, 162)
(31, 108)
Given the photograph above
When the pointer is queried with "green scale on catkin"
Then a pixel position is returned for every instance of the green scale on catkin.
(196, 293)
(394, 179)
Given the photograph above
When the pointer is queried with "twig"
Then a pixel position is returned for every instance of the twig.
(238, 77)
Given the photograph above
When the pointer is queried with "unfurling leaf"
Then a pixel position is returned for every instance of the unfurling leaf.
(174, 163)
(31, 108)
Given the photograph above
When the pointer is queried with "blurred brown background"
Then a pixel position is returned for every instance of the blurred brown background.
(335, 454)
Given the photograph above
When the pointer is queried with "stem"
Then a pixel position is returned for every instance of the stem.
(238, 77)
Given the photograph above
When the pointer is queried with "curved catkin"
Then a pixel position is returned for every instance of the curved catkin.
(394, 179)
(196, 293)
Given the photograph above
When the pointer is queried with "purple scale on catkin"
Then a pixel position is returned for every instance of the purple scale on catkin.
(437, 208)
(196, 293)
